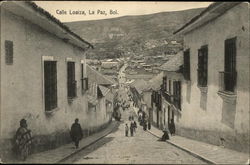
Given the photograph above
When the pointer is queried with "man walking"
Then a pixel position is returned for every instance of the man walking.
(76, 132)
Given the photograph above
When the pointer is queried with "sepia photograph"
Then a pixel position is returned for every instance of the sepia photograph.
(124, 82)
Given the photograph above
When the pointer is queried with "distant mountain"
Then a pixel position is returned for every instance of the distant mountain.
(132, 35)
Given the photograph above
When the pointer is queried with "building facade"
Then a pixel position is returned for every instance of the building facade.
(43, 78)
(171, 89)
(215, 93)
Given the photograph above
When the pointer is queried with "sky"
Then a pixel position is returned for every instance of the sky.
(69, 11)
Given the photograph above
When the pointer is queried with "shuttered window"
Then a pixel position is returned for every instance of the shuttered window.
(159, 101)
(50, 85)
(186, 69)
(8, 52)
(164, 83)
(84, 81)
(169, 87)
(71, 82)
(202, 66)
(230, 65)
(152, 99)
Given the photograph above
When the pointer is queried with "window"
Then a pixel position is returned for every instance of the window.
(159, 101)
(177, 94)
(230, 65)
(71, 82)
(152, 99)
(169, 86)
(50, 85)
(164, 83)
(202, 66)
(8, 52)
(84, 81)
(186, 69)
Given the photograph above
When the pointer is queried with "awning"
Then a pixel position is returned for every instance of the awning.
(104, 90)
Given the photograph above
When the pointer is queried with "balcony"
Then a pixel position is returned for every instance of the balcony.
(177, 102)
(166, 96)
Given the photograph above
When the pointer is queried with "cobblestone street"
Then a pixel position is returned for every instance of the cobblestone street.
(142, 148)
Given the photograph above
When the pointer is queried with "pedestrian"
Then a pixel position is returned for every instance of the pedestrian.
(131, 129)
(149, 125)
(172, 127)
(126, 129)
(165, 135)
(22, 141)
(145, 125)
(76, 132)
(135, 126)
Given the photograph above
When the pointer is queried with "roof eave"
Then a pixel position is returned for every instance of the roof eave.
(206, 15)
(31, 12)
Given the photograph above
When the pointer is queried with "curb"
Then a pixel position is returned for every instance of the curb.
(187, 150)
(99, 138)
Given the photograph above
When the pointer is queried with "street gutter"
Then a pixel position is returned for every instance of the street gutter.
(187, 150)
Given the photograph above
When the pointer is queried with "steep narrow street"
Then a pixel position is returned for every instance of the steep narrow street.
(141, 148)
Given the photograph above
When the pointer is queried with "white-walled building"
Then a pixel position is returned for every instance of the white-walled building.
(43, 78)
(215, 94)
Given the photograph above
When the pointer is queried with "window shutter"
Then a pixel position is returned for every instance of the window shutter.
(202, 66)
(186, 69)
(87, 83)
(71, 79)
(50, 85)
(169, 88)
(230, 64)
(8, 52)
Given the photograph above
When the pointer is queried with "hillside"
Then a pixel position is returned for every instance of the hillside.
(133, 35)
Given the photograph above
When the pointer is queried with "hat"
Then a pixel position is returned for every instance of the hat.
(23, 121)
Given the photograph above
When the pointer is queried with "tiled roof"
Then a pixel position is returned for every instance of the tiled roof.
(222, 8)
(38, 16)
(174, 63)
(139, 84)
(97, 77)
(155, 82)
(52, 18)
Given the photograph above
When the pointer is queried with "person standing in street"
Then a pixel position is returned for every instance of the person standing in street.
(126, 129)
(165, 135)
(149, 125)
(145, 125)
(76, 132)
(135, 126)
(172, 127)
(131, 129)
(22, 141)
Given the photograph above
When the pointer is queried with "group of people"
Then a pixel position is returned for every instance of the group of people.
(143, 120)
(23, 140)
(132, 127)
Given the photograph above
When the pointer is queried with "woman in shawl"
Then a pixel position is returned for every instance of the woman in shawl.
(23, 140)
